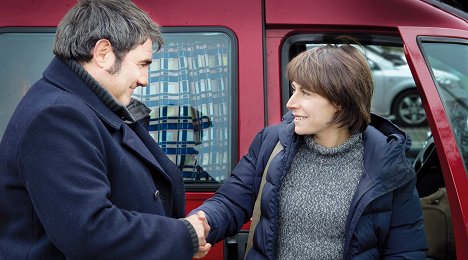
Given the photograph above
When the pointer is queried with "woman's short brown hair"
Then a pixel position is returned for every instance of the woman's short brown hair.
(339, 73)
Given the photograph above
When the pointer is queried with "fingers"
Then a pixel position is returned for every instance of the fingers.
(202, 216)
(202, 251)
(207, 228)
(202, 228)
(199, 228)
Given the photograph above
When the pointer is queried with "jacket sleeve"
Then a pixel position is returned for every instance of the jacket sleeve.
(63, 163)
(233, 203)
(406, 238)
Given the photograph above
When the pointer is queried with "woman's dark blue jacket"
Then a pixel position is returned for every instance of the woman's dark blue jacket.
(384, 219)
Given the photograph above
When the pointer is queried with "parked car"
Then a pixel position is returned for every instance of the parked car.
(395, 55)
(395, 93)
(219, 78)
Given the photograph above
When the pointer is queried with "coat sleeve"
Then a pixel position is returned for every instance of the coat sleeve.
(232, 205)
(62, 161)
(406, 238)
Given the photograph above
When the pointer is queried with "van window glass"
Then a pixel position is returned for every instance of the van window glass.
(190, 90)
(24, 56)
(449, 66)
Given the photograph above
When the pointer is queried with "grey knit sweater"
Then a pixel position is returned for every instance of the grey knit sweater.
(314, 199)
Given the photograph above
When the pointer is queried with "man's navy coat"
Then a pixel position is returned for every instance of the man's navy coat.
(76, 181)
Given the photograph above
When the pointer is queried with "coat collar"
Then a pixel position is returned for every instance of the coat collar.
(63, 77)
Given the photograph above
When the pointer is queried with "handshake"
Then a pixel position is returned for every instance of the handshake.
(200, 224)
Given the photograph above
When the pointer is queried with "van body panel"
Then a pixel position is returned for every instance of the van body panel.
(263, 30)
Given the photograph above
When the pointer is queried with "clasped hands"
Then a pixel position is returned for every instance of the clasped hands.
(200, 224)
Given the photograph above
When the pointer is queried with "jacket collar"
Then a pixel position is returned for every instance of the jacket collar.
(287, 136)
(384, 140)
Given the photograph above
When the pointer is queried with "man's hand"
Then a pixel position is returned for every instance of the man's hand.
(200, 224)
(202, 217)
(202, 251)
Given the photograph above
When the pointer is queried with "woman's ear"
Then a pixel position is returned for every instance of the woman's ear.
(337, 108)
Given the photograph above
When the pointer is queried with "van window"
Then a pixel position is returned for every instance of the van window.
(191, 93)
(447, 60)
(24, 56)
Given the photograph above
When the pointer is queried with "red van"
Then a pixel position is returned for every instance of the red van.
(220, 78)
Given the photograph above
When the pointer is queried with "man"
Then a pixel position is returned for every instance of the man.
(80, 177)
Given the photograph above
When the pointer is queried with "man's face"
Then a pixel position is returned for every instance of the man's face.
(133, 72)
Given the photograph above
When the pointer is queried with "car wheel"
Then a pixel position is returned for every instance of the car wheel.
(408, 109)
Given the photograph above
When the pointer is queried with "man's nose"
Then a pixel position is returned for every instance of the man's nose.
(143, 80)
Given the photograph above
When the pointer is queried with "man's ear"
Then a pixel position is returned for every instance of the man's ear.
(103, 54)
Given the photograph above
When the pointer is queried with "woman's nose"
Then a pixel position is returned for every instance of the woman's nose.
(291, 102)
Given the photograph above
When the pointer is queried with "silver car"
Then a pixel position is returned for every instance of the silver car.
(395, 93)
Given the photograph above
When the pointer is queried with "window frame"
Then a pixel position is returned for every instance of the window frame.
(421, 40)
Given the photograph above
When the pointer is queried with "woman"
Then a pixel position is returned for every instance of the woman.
(341, 188)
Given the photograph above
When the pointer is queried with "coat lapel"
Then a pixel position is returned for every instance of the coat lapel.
(151, 150)
(135, 144)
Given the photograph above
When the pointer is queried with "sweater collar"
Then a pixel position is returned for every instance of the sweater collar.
(352, 141)
(135, 111)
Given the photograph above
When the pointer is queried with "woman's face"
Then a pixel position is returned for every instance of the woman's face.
(312, 112)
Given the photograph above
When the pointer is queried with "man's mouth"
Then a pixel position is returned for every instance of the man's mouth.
(299, 118)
